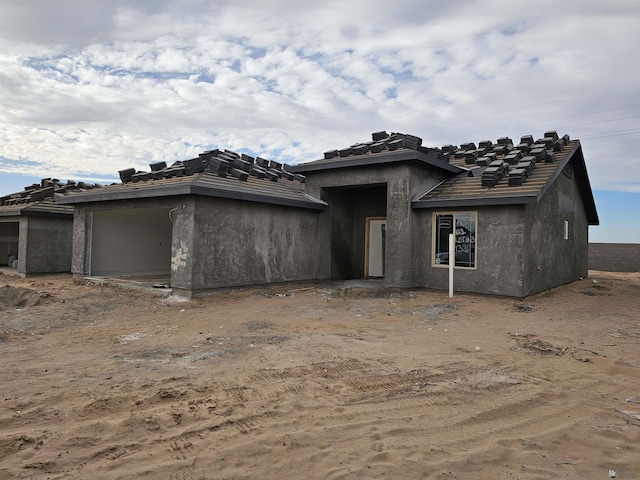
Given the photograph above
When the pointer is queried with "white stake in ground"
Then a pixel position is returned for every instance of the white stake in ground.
(452, 261)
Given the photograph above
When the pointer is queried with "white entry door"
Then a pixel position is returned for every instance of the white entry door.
(376, 243)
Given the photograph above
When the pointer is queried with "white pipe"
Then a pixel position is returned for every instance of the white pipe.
(452, 261)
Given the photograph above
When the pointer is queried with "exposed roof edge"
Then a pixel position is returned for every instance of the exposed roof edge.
(554, 176)
(305, 201)
(376, 159)
(36, 209)
(580, 171)
(48, 213)
(475, 202)
(431, 189)
(582, 179)
(130, 194)
(311, 203)
(36, 213)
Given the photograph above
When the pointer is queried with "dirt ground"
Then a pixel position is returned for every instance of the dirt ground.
(319, 382)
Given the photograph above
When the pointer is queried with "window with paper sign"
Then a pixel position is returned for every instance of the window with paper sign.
(463, 226)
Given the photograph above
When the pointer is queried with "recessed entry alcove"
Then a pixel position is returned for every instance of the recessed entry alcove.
(350, 209)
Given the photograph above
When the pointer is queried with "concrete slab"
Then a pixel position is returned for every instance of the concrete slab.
(156, 284)
(10, 272)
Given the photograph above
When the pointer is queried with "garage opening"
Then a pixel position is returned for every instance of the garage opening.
(9, 240)
(132, 242)
(357, 230)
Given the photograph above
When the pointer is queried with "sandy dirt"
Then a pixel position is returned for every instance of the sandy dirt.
(315, 382)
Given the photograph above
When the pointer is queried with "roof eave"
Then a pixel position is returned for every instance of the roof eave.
(402, 155)
(252, 197)
(31, 210)
(11, 213)
(187, 189)
(582, 179)
(475, 201)
(45, 213)
(584, 185)
(104, 195)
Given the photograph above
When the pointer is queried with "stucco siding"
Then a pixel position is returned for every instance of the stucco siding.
(550, 259)
(183, 244)
(48, 245)
(244, 243)
(499, 253)
(403, 183)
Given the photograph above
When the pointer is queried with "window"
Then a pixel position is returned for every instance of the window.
(463, 226)
(566, 230)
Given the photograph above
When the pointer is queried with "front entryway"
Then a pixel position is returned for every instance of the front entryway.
(350, 208)
(375, 247)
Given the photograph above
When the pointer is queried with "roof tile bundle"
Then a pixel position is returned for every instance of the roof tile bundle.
(223, 163)
(520, 159)
(381, 141)
(518, 175)
(494, 172)
(45, 190)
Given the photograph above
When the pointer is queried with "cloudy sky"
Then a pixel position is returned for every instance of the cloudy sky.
(90, 87)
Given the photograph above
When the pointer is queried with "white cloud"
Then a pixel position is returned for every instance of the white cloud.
(88, 90)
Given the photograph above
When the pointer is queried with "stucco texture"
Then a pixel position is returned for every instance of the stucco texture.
(238, 243)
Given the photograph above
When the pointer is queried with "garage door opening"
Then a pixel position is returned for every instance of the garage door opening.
(9, 241)
(132, 242)
(353, 212)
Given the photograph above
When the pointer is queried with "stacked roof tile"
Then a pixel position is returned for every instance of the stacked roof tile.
(494, 172)
(214, 173)
(489, 173)
(381, 141)
(223, 163)
(506, 173)
(503, 159)
(45, 190)
(384, 148)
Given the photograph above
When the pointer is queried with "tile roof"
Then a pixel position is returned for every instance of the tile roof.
(216, 173)
(384, 148)
(502, 173)
(489, 173)
(38, 198)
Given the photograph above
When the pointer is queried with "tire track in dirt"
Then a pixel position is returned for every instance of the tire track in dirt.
(384, 402)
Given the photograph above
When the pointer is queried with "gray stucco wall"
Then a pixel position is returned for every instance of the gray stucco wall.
(46, 245)
(551, 260)
(215, 243)
(81, 243)
(182, 244)
(237, 243)
(403, 183)
(520, 248)
(499, 253)
(614, 257)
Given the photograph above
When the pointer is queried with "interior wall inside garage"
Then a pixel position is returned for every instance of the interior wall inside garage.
(9, 239)
(128, 242)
